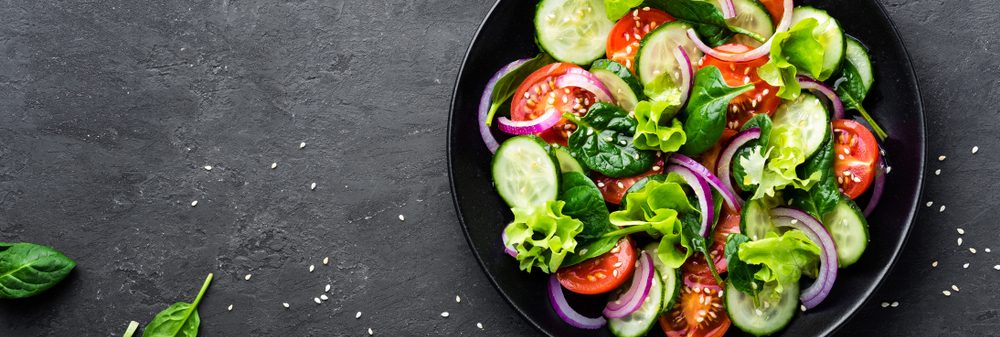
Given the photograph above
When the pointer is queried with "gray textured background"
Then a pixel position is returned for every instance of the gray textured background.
(110, 109)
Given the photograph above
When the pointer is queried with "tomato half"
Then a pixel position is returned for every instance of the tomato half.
(763, 98)
(856, 153)
(603, 273)
(699, 311)
(614, 189)
(538, 93)
(729, 223)
(626, 35)
(774, 7)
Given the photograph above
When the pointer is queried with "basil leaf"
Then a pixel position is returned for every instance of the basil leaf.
(603, 142)
(616, 9)
(852, 92)
(741, 273)
(703, 16)
(706, 109)
(179, 320)
(584, 202)
(27, 269)
(507, 85)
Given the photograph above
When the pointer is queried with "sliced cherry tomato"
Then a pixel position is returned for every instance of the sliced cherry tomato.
(699, 311)
(538, 93)
(774, 7)
(603, 273)
(762, 99)
(856, 153)
(729, 223)
(614, 189)
(624, 39)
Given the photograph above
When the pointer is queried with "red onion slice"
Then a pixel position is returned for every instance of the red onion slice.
(704, 194)
(570, 316)
(484, 104)
(878, 188)
(546, 121)
(642, 282)
(726, 158)
(687, 73)
(728, 9)
(727, 192)
(509, 249)
(831, 96)
(583, 79)
(756, 53)
(817, 292)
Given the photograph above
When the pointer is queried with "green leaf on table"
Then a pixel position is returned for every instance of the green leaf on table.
(706, 109)
(507, 85)
(603, 142)
(179, 320)
(27, 269)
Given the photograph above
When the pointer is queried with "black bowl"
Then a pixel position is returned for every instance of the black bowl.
(507, 34)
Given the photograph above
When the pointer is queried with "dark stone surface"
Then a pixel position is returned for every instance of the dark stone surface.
(110, 109)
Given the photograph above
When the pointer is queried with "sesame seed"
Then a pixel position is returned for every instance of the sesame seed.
(327, 289)
(621, 185)
(959, 241)
(370, 332)
(444, 314)
(208, 167)
(929, 203)
(954, 287)
(975, 149)
(942, 158)
(941, 209)
(357, 315)
(934, 264)
(312, 267)
(996, 267)
(972, 250)
(479, 325)
(274, 165)
(230, 308)
(937, 172)
(600, 184)
(285, 305)
(965, 266)
(888, 169)
(194, 203)
(885, 304)
(458, 299)
(302, 145)
(326, 260)
(960, 231)
(323, 297)
(317, 300)
(986, 250)
(247, 277)
(801, 307)
(312, 186)
(402, 218)
(946, 293)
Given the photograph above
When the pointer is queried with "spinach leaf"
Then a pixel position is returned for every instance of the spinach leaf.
(703, 16)
(27, 269)
(616, 9)
(745, 175)
(585, 203)
(507, 85)
(691, 222)
(603, 142)
(852, 92)
(178, 320)
(741, 273)
(706, 109)
(824, 196)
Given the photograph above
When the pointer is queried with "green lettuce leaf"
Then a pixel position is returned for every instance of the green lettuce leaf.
(616, 9)
(796, 51)
(784, 155)
(783, 259)
(655, 209)
(542, 236)
(741, 274)
(657, 129)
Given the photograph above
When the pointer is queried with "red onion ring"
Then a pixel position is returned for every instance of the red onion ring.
(878, 188)
(831, 96)
(817, 292)
(570, 316)
(704, 194)
(642, 282)
(509, 249)
(728, 9)
(583, 79)
(727, 193)
(687, 73)
(484, 104)
(546, 121)
(726, 158)
(756, 53)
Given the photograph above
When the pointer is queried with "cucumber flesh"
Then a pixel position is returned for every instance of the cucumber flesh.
(755, 222)
(831, 36)
(566, 161)
(656, 65)
(524, 174)
(752, 16)
(670, 277)
(574, 31)
(624, 86)
(849, 229)
(765, 318)
(643, 319)
(806, 115)
(857, 56)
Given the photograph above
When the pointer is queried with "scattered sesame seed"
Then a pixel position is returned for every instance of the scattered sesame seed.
(208, 167)
(894, 304)
(479, 325)
(302, 145)
(946, 293)
(965, 266)
(274, 165)
(194, 203)
(959, 241)
(317, 300)
(972, 250)
(312, 186)
(937, 172)
(996, 267)
(323, 297)
(247, 277)
(444, 314)
(312, 267)
(357, 315)
(960, 231)
(458, 299)
(888, 169)
(326, 260)
(975, 149)
(370, 332)
(285, 305)
(929, 203)
(941, 158)
(327, 289)
(801, 307)
(230, 308)
(885, 304)
(986, 250)
(402, 218)
(954, 287)
(934, 264)
(941, 209)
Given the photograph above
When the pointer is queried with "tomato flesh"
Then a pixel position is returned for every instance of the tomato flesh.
(538, 93)
(855, 156)
(603, 273)
(627, 34)
(614, 189)
(729, 223)
(763, 98)
(699, 311)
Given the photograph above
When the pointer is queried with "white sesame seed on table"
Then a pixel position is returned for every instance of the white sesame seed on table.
(302, 145)
(444, 314)
(975, 149)
(937, 172)
(986, 250)
(479, 325)
(402, 218)
(942, 158)
(934, 264)
(458, 299)
(327, 289)
(965, 266)
(894, 304)
(317, 300)
(208, 167)
(370, 332)
(274, 165)
(357, 315)
(194, 203)
(960, 231)
(946, 293)
(885, 304)
(972, 250)
(326, 260)
(941, 209)
(996, 267)
(230, 308)
(247, 277)
(312, 186)
(285, 305)
(959, 241)
(954, 287)
(324, 297)
(929, 203)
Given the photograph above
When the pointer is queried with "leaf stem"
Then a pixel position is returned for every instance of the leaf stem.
(871, 121)
(493, 110)
(752, 35)
(575, 119)
(711, 267)
(627, 230)
(204, 287)
(132, 326)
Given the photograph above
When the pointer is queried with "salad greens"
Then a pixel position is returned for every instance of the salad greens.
(616, 9)
(179, 320)
(657, 128)
(741, 274)
(507, 85)
(542, 236)
(585, 203)
(603, 142)
(775, 168)
(27, 269)
(706, 110)
(796, 51)
(824, 196)
(749, 159)
(706, 19)
(783, 259)
(852, 91)
(655, 209)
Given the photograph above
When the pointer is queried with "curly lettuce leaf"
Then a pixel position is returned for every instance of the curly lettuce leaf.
(783, 259)
(616, 9)
(785, 153)
(542, 236)
(657, 129)
(655, 209)
(798, 50)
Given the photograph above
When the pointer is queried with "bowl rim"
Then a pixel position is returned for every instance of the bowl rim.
(839, 322)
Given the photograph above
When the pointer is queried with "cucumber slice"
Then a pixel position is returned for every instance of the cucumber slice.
(832, 37)
(656, 65)
(523, 172)
(755, 222)
(766, 318)
(849, 229)
(642, 320)
(566, 161)
(752, 16)
(808, 116)
(670, 277)
(857, 55)
(574, 31)
(624, 86)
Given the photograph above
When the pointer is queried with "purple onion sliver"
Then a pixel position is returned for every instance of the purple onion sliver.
(756, 53)
(509, 249)
(726, 158)
(831, 95)
(583, 79)
(634, 302)
(635, 288)
(484, 104)
(546, 121)
(570, 316)
(728, 195)
(704, 194)
(877, 189)
(828, 263)
(687, 72)
(728, 9)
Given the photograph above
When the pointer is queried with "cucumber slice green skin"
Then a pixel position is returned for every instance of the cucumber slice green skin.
(833, 37)
(807, 114)
(774, 316)
(656, 65)
(755, 222)
(566, 161)
(671, 279)
(849, 229)
(524, 173)
(642, 320)
(752, 16)
(624, 86)
(574, 31)
(857, 55)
